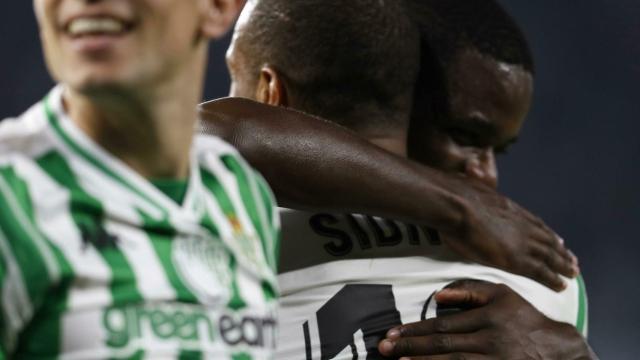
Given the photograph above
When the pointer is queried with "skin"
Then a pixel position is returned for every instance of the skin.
(488, 103)
(499, 324)
(126, 90)
(269, 86)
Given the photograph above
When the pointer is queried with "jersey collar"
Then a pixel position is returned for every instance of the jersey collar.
(76, 141)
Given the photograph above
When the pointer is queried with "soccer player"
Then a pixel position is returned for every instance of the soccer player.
(322, 316)
(482, 224)
(121, 234)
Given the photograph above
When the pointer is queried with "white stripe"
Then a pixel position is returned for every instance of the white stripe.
(135, 245)
(250, 289)
(53, 270)
(84, 330)
(314, 338)
(53, 216)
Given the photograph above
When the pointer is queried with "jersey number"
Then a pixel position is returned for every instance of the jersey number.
(367, 310)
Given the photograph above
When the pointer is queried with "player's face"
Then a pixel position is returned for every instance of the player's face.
(488, 102)
(99, 43)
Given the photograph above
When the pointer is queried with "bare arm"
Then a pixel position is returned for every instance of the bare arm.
(498, 324)
(315, 165)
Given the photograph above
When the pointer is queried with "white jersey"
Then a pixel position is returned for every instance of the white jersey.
(97, 263)
(346, 279)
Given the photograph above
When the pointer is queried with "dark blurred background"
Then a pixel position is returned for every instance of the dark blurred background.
(577, 163)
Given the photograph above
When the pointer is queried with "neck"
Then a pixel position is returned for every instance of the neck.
(151, 131)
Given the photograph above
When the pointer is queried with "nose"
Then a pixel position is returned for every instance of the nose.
(482, 167)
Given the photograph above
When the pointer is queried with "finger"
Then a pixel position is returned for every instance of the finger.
(562, 250)
(469, 291)
(464, 322)
(546, 239)
(555, 260)
(538, 270)
(574, 258)
(456, 356)
(544, 232)
(434, 344)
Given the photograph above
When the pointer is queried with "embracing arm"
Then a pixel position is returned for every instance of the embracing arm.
(498, 324)
(312, 164)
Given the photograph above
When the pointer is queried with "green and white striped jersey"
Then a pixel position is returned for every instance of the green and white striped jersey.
(96, 263)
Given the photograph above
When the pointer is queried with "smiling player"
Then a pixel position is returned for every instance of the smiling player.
(122, 235)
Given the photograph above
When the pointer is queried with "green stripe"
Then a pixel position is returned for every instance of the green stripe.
(241, 356)
(190, 355)
(247, 195)
(88, 215)
(44, 333)
(161, 235)
(269, 291)
(269, 204)
(80, 151)
(21, 226)
(138, 355)
(212, 183)
(236, 302)
(23, 248)
(5, 335)
(582, 320)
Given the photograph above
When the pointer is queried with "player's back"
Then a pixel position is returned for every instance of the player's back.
(346, 279)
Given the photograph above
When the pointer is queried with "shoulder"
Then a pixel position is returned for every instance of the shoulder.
(25, 135)
(212, 152)
(216, 155)
(212, 145)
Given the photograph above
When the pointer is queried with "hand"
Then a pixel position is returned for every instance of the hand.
(497, 232)
(500, 325)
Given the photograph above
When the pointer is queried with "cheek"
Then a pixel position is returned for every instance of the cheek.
(173, 27)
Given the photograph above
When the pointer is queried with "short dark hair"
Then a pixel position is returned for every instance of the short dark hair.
(353, 62)
(450, 26)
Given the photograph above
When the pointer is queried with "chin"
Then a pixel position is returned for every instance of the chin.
(92, 81)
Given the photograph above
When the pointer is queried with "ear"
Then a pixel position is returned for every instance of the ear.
(218, 17)
(271, 88)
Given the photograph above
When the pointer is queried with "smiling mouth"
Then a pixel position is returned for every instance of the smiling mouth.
(91, 26)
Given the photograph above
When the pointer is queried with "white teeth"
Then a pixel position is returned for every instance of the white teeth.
(84, 26)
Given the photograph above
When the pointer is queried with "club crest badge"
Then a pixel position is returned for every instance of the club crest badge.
(204, 265)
